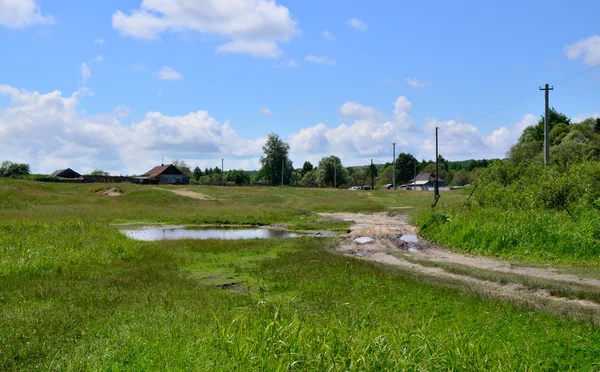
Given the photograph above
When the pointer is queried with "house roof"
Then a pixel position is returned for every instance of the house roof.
(65, 173)
(423, 178)
(162, 169)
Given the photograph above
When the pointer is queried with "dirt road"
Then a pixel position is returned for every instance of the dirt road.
(539, 287)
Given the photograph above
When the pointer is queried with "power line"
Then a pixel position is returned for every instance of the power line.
(577, 74)
(521, 98)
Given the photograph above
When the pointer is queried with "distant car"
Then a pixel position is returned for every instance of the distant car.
(366, 188)
(354, 188)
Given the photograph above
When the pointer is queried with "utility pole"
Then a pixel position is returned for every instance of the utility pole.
(436, 190)
(414, 175)
(282, 162)
(372, 176)
(394, 162)
(547, 88)
(334, 173)
(222, 174)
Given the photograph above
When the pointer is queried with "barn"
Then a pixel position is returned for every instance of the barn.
(66, 175)
(423, 181)
(164, 174)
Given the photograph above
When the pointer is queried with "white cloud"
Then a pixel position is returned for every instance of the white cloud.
(328, 36)
(369, 135)
(85, 72)
(320, 59)
(48, 131)
(139, 68)
(587, 49)
(291, 64)
(167, 73)
(415, 83)
(22, 13)
(266, 112)
(581, 117)
(254, 27)
(85, 69)
(357, 24)
(465, 141)
(99, 41)
(355, 111)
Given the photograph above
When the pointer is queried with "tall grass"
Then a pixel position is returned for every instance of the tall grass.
(77, 295)
(526, 212)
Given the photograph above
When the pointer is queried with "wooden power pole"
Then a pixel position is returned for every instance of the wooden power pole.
(547, 88)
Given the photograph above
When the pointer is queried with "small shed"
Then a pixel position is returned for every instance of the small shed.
(66, 175)
(164, 174)
(424, 181)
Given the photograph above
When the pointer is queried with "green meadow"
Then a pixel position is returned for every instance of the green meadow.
(76, 294)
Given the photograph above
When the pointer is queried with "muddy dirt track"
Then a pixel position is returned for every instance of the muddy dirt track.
(426, 259)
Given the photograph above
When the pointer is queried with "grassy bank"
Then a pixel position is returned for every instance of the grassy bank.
(531, 212)
(76, 294)
(291, 305)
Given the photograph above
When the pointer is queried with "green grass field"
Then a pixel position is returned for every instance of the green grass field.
(75, 294)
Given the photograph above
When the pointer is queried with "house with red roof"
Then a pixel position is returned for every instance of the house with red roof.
(164, 174)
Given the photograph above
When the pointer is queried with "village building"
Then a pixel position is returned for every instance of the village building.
(423, 181)
(164, 174)
(66, 175)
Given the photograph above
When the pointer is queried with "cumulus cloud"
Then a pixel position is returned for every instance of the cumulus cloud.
(581, 117)
(465, 141)
(85, 72)
(254, 27)
(167, 73)
(22, 13)
(368, 133)
(415, 83)
(323, 60)
(266, 112)
(49, 132)
(586, 49)
(357, 24)
(328, 36)
(291, 64)
(85, 69)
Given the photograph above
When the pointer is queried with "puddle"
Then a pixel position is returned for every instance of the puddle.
(175, 233)
(409, 238)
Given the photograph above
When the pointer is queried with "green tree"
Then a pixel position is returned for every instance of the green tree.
(525, 151)
(276, 157)
(99, 172)
(385, 176)
(535, 133)
(307, 167)
(10, 169)
(309, 179)
(197, 173)
(462, 178)
(330, 167)
(405, 165)
(184, 168)
(238, 177)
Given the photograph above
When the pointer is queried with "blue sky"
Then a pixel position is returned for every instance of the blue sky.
(115, 84)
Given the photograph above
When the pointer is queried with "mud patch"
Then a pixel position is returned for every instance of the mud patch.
(231, 286)
(389, 247)
(191, 194)
(113, 191)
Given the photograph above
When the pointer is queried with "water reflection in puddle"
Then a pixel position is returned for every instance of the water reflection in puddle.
(409, 238)
(165, 233)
